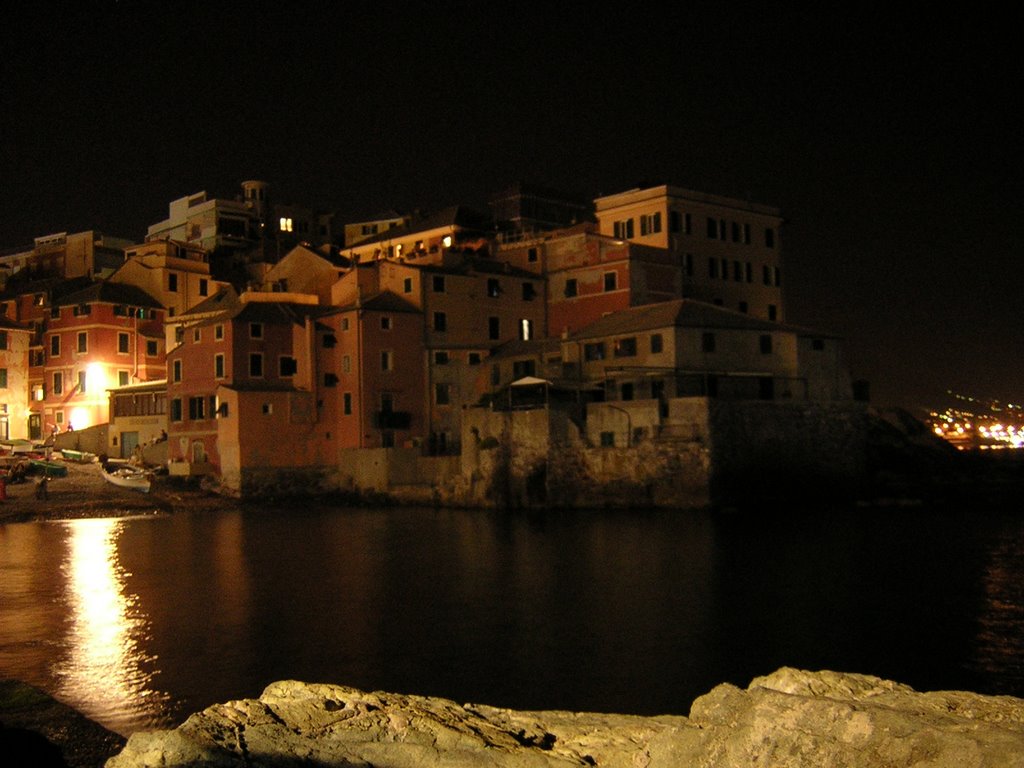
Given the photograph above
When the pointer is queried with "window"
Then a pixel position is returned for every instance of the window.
(523, 368)
(3, 378)
(176, 409)
(330, 380)
(176, 371)
(769, 237)
(55, 313)
(346, 364)
(493, 287)
(626, 391)
(152, 349)
(746, 234)
(255, 364)
(344, 323)
(650, 223)
(593, 351)
(172, 282)
(218, 366)
(773, 312)
(197, 408)
(721, 229)
(385, 360)
(625, 347)
(122, 378)
(330, 341)
(255, 330)
(407, 285)
(3, 339)
(218, 333)
(197, 335)
(736, 232)
(712, 228)
(83, 342)
(749, 272)
(707, 342)
(531, 255)
(743, 307)
(529, 292)
(776, 277)
(623, 229)
(713, 268)
(437, 283)
(442, 394)
(607, 439)
(474, 358)
(285, 224)
(766, 274)
(766, 344)
(58, 383)
(267, 409)
(204, 286)
(346, 403)
(657, 344)
(818, 345)
(440, 358)
(440, 322)
(611, 280)
(493, 328)
(81, 310)
(525, 329)
(287, 366)
(81, 382)
(737, 271)
(571, 288)
(674, 220)
(385, 322)
(122, 343)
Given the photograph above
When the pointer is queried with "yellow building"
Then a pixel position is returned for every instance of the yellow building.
(729, 250)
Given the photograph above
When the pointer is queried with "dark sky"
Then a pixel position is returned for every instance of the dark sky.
(890, 143)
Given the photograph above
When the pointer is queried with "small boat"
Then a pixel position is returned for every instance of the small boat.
(81, 457)
(48, 468)
(127, 477)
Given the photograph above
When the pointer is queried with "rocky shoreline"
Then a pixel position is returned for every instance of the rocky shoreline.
(789, 719)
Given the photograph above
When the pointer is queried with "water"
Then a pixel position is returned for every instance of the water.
(139, 622)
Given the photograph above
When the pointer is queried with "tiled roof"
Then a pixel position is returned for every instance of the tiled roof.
(112, 293)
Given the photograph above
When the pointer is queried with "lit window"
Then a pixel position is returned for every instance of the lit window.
(525, 329)
(286, 224)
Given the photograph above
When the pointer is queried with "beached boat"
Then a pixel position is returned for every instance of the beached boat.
(81, 457)
(48, 468)
(127, 477)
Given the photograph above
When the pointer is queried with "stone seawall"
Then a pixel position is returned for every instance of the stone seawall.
(789, 719)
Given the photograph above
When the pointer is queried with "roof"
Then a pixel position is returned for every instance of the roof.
(454, 216)
(384, 301)
(683, 313)
(224, 300)
(112, 293)
(481, 265)
(520, 348)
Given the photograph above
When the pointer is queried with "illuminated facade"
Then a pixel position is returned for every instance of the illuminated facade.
(102, 336)
(15, 391)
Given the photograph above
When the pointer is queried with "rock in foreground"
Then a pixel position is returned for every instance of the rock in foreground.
(789, 718)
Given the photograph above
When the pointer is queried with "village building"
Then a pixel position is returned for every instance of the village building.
(65, 255)
(15, 391)
(728, 249)
(138, 417)
(360, 230)
(175, 273)
(100, 336)
(427, 239)
(244, 398)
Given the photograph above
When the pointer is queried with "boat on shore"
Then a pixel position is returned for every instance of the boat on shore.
(127, 477)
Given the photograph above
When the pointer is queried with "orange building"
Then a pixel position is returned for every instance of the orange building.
(98, 337)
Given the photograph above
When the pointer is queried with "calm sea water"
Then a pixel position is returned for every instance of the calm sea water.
(139, 622)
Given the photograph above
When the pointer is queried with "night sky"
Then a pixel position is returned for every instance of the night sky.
(890, 143)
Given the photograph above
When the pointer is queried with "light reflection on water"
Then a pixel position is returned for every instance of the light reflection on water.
(107, 670)
(597, 611)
